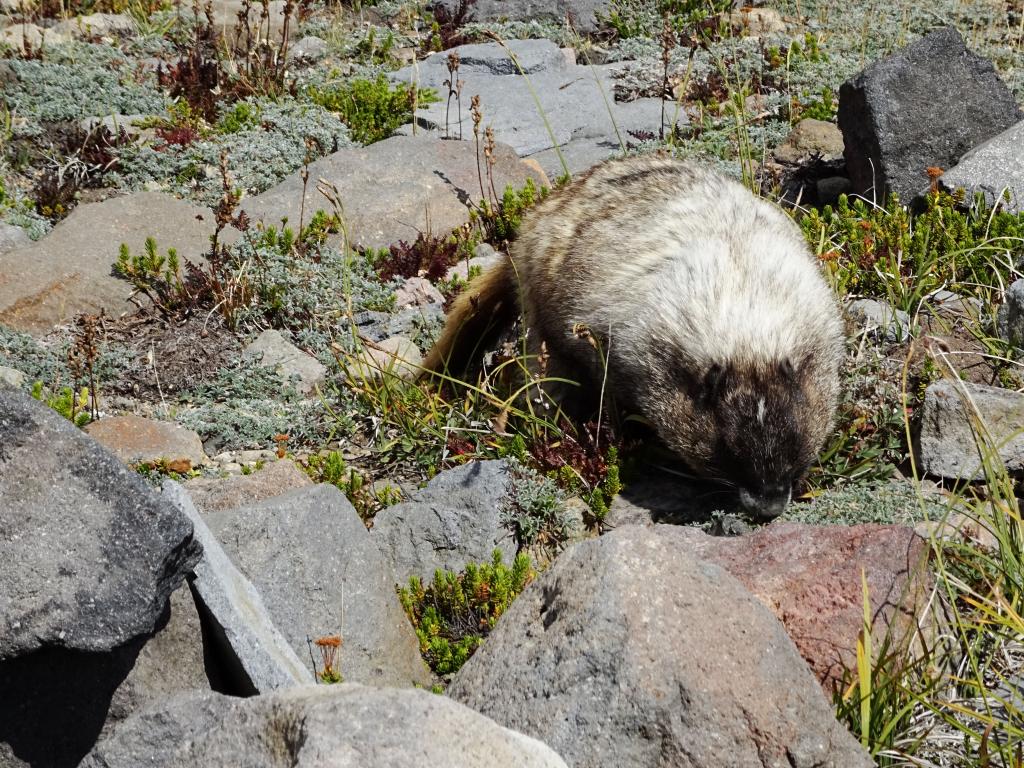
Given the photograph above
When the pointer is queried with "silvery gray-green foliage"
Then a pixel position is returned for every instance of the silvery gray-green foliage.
(78, 80)
(534, 504)
(47, 362)
(286, 135)
(246, 405)
(311, 295)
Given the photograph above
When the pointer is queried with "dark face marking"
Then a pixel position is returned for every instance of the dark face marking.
(760, 445)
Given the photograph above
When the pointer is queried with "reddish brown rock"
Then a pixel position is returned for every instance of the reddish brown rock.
(213, 494)
(810, 577)
(137, 440)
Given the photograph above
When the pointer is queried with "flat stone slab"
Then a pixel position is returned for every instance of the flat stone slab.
(243, 627)
(320, 573)
(582, 14)
(394, 189)
(89, 553)
(948, 445)
(69, 270)
(325, 726)
(137, 440)
(570, 97)
(992, 168)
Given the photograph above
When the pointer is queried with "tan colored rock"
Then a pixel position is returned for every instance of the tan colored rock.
(137, 440)
(811, 138)
(109, 25)
(212, 494)
(810, 578)
(69, 271)
(20, 36)
(757, 22)
(396, 355)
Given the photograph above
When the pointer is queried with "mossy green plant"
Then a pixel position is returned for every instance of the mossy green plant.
(72, 405)
(887, 252)
(454, 613)
(372, 109)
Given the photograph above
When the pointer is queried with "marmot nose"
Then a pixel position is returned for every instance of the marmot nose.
(768, 503)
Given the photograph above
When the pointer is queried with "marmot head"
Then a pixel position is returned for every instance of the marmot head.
(756, 428)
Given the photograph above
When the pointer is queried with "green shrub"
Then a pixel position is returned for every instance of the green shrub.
(454, 613)
(372, 109)
(73, 406)
(889, 253)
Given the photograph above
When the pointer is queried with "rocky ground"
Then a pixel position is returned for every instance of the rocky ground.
(228, 234)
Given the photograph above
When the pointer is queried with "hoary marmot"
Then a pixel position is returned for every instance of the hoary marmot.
(711, 312)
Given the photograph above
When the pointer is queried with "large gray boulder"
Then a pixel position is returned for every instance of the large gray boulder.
(394, 189)
(253, 652)
(69, 271)
(992, 168)
(455, 520)
(320, 573)
(948, 444)
(335, 726)
(89, 555)
(582, 14)
(924, 106)
(630, 652)
(582, 119)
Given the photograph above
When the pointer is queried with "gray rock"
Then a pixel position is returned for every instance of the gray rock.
(570, 97)
(879, 318)
(321, 573)
(170, 663)
(630, 652)
(924, 106)
(341, 726)
(69, 270)
(582, 14)
(948, 446)
(308, 50)
(260, 657)
(408, 322)
(12, 237)
(272, 350)
(417, 292)
(757, 22)
(992, 168)
(393, 189)
(1011, 315)
(12, 377)
(138, 440)
(111, 25)
(451, 522)
(89, 555)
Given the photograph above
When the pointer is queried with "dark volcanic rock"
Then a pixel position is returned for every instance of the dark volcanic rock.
(340, 726)
(630, 652)
(924, 106)
(89, 555)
